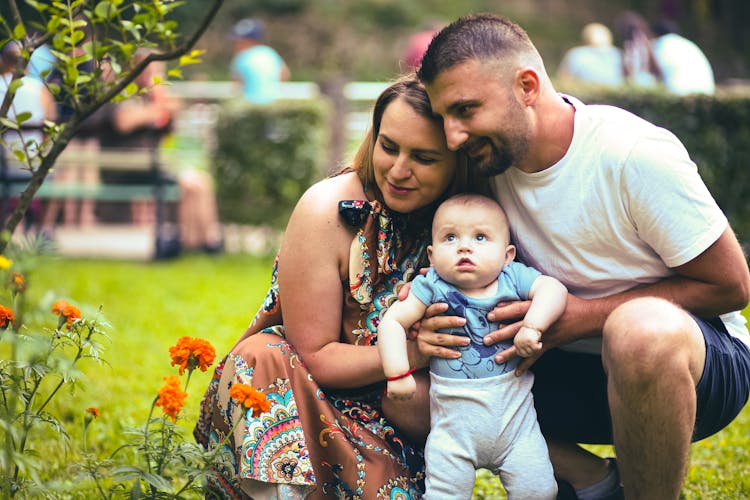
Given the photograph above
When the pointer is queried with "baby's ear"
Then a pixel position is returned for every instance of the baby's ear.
(429, 253)
(510, 254)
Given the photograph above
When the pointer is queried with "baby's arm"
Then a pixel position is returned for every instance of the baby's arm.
(392, 345)
(548, 298)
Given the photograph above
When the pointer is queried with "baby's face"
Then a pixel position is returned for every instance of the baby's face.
(469, 246)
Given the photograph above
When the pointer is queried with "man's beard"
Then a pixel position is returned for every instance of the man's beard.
(493, 164)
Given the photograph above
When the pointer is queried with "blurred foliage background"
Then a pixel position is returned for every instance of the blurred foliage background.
(362, 40)
(329, 40)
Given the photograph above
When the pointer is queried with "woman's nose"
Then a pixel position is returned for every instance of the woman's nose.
(401, 168)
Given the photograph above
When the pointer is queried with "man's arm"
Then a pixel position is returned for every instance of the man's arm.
(715, 282)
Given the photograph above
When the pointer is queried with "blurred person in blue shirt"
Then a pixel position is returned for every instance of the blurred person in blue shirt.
(256, 66)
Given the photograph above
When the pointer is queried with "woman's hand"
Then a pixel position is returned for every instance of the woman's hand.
(432, 343)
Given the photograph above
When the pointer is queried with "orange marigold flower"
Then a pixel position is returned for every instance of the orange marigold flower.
(171, 397)
(6, 316)
(191, 353)
(93, 411)
(250, 397)
(67, 311)
(17, 282)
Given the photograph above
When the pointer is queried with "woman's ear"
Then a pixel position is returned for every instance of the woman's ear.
(527, 86)
(510, 254)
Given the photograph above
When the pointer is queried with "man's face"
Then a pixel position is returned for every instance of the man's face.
(481, 115)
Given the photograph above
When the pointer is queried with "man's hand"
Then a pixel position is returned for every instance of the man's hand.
(578, 321)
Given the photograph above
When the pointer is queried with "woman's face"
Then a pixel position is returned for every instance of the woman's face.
(412, 163)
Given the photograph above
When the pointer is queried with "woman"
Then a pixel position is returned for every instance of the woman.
(351, 242)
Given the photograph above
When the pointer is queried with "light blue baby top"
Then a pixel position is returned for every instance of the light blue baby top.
(476, 359)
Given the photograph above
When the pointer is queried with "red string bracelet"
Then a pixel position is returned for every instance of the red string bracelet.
(403, 375)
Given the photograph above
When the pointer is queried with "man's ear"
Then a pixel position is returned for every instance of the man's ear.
(527, 86)
(429, 253)
(510, 254)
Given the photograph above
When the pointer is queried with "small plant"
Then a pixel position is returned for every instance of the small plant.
(38, 363)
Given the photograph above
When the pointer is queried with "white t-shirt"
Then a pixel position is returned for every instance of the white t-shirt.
(28, 99)
(623, 206)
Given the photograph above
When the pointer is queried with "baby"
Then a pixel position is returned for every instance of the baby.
(482, 415)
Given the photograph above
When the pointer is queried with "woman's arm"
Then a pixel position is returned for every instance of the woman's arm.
(313, 264)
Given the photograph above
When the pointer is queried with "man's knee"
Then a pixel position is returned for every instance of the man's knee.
(645, 335)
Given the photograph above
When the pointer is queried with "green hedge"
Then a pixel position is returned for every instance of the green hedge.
(716, 133)
(266, 156)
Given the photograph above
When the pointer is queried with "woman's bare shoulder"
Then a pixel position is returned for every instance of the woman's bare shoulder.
(321, 199)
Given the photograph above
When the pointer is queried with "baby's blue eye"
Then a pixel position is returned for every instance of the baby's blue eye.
(481, 237)
(450, 238)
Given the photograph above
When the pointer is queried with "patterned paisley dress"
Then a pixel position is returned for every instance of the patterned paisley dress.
(337, 441)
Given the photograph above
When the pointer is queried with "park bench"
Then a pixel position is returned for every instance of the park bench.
(155, 185)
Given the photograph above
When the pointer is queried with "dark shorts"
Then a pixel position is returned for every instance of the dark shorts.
(570, 389)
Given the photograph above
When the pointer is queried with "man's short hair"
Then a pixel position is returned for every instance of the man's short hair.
(477, 36)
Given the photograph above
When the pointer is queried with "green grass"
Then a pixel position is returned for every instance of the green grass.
(151, 305)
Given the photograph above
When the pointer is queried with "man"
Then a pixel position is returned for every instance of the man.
(613, 207)
(257, 67)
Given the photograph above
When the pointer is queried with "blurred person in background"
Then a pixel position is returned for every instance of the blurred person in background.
(596, 62)
(640, 66)
(417, 44)
(142, 122)
(31, 97)
(685, 68)
(257, 67)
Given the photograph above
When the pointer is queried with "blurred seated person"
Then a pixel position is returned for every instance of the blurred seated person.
(640, 66)
(141, 122)
(685, 68)
(78, 164)
(255, 66)
(596, 62)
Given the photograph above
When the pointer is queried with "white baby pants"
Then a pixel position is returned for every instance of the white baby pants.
(486, 423)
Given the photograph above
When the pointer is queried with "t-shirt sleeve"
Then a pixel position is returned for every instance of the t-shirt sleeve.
(523, 277)
(423, 287)
(659, 169)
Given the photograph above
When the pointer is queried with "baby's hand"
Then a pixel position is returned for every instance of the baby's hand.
(403, 388)
(528, 341)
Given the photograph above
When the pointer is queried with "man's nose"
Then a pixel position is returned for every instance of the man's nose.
(455, 135)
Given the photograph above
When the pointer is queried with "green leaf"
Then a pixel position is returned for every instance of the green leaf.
(131, 89)
(5, 122)
(158, 482)
(19, 31)
(15, 85)
(23, 117)
(105, 10)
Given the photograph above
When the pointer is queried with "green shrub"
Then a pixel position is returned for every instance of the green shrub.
(715, 131)
(266, 156)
